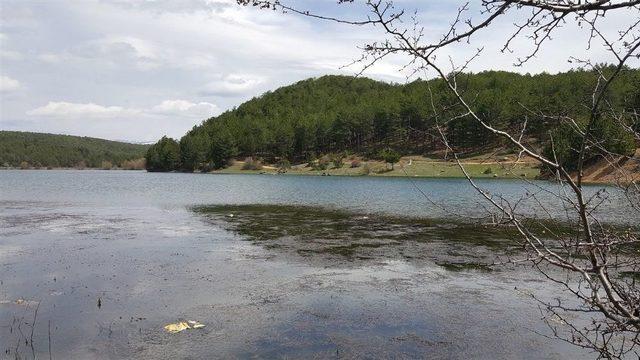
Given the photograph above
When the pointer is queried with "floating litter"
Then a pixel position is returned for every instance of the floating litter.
(183, 325)
(195, 324)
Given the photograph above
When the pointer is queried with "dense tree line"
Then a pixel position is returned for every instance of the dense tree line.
(341, 113)
(164, 155)
(49, 150)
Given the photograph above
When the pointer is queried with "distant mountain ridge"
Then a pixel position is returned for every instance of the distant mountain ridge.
(29, 149)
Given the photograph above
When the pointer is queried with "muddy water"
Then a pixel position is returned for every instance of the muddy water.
(108, 258)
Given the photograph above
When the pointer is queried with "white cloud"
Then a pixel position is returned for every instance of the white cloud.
(51, 58)
(169, 117)
(183, 6)
(185, 108)
(5, 53)
(167, 108)
(8, 84)
(114, 51)
(67, 109)
(162, 61)
(10, 55)
(232, 85)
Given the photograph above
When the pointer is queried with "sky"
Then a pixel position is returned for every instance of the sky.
(138, 70)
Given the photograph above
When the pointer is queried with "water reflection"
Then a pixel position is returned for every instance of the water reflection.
(283, 281)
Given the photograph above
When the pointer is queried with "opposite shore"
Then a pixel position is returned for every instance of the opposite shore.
(504, 167)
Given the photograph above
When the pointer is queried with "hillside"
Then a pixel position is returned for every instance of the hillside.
(623, 170)
(334, 114)
(27, 149)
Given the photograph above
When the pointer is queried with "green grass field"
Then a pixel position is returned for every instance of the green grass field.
(417, 168)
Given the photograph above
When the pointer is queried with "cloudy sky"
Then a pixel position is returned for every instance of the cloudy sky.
(136, 70)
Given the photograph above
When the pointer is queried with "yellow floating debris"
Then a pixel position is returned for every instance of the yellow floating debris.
(183, 325)
(177, 327)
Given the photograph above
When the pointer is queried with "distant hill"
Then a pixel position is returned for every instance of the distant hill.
(332, 114)
(50, 150)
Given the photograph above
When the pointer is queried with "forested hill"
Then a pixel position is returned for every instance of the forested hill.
(339, 113)
(27, 149)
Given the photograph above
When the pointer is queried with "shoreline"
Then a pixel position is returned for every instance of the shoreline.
(66, 168)
(314, 174)
(585, 182)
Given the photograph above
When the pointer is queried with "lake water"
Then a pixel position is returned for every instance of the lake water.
(267, 281)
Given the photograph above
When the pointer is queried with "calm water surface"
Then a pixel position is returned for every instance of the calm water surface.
(131, 242)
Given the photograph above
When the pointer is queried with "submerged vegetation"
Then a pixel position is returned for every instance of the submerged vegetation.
(338, 114)
(27, 150)
(318, 234)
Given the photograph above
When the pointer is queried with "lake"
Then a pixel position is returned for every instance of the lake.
(95, 263)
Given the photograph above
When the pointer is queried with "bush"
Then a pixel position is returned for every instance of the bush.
(106, 165)
(207, 167)
(137, 164)
(320, 164)
(381, 170)
(337, 160)
(487, 171)
(24, 165)
(390, 156)
(251, 164)
(283, 165)
(355, 163)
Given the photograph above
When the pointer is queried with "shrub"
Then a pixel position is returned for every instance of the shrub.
(355, 163)
(24, 165)
(337, 160)
(283, 165)
(487, 171)
(136, 164)
(251, 164)
(320, 164)
(309, 157)
(207, 167)
(382, 170)
(106, 165)
(390, 156)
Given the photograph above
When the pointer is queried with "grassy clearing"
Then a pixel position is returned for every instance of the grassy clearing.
(236, 168)
(451, 169)
(409, 166)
